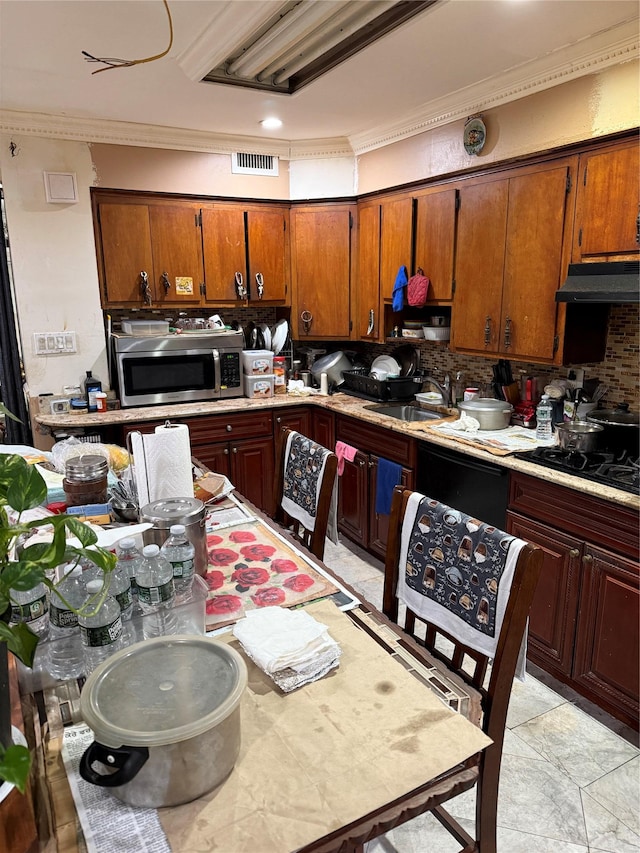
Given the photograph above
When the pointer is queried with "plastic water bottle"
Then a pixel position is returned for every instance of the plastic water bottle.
(118, 581)
(32, 607)
(65, 656)
(129, 558)
(544, 427)
(181, 554)
(101, 632)
(156, 594)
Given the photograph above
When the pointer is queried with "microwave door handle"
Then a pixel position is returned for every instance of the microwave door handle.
(217, 378)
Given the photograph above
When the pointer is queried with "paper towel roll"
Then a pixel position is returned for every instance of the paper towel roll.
(163, 463)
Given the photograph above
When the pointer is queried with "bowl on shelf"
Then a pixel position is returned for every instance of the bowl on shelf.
(436, 333)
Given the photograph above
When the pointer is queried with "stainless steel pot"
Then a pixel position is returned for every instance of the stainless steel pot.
(165, 714)
(490, 414)
(188, 511)
(621, 428)
(579, 435)
(333, 365)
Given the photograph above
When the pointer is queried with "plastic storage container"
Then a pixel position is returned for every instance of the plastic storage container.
(259, 387)
(145, 327)
(257, 362)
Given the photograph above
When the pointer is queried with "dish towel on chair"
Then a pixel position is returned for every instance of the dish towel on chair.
(344, 451)
(397, 296)
(387, 478)
(304, 464)
(456, 572)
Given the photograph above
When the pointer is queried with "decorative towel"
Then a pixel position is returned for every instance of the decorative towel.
(344, 451)
(304, 464)
(290, 646)
(457, 573)
(397, 296)
(387, 478)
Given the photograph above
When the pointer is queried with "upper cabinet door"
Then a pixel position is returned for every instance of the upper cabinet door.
(177, 253)
(268, 240)
(435, 241)
(225, 254)
(369, 322)
(321, 271)
(396, 241)
(124, 245)
(479, 268)
(608, 203)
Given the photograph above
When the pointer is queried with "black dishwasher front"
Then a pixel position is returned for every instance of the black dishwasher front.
(479, 488)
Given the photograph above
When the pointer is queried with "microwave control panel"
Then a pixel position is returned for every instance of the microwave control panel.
(230, 370)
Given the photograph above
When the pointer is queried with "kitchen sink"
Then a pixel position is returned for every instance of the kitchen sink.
(406, 412)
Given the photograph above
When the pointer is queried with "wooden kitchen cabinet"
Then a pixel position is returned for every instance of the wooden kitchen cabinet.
(321, 259)
(586, 610)
(357, 517)
(323, 425)
(149, 254)
(607, 216)
(435, 232)
(240, 246)
(297, 418)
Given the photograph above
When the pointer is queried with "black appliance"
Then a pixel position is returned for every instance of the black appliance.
(609, 282)
(473, 486)
(618, 470)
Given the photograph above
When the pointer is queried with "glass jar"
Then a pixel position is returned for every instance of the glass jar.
(85, 480)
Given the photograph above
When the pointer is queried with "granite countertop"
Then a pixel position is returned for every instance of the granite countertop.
(345, 405)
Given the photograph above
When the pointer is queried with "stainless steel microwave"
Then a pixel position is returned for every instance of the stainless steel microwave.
(186, 368)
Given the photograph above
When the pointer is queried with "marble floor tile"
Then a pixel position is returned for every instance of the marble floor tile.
(619, 793)
(514, 745)
(604, 830)
(576, 744)
(529, 699)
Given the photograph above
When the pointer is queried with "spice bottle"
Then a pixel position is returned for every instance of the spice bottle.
(85, 480)
(280, 374)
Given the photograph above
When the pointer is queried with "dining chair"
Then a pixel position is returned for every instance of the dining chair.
(448, 575)
(304, 488)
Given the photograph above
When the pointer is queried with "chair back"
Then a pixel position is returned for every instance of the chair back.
(304, 482)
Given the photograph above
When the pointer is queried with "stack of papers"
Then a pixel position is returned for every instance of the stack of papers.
(290, 646)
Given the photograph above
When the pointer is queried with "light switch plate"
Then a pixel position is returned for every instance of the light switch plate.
(54, 343)
(575, 377)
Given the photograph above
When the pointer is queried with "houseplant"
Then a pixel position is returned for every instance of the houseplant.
(22, 488)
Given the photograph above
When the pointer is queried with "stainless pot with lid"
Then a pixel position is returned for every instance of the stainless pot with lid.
(165, 714)
(621, 428)
(188, 511)
(490, 414)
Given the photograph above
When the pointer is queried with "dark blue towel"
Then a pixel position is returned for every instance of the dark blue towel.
(388, 476)
(397, 297)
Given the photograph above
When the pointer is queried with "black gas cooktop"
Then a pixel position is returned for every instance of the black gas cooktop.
(620, 471)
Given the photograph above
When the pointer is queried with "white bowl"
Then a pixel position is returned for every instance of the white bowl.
(437, 333)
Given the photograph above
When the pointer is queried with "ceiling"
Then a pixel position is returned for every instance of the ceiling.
(456, 58)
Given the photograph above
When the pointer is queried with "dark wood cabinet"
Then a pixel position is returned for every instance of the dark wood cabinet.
(321, 261)
(148, 254)
(242, 247)
(608, 203)
(297, 418)
(435, 233)
(585, 617)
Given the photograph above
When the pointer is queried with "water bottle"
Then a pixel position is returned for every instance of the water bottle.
(544, 427)
(32, 607)
(156, 594)
(129, 558)
(65, 656)
(181, 554)
(101, 631)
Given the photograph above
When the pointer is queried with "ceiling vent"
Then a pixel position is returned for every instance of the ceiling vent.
(254, 164)
(304, 39)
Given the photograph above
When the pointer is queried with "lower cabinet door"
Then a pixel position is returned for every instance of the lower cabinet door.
(379, 523)
(252, 471)
(296, 419)
(324, 428)
(353, 499)
(215, 456)
(552, 620)
(608, 639)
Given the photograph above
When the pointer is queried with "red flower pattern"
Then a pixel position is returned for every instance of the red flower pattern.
(281, 566)
(221, 604)
(257, 552)
(213, 539)
(298, 583)
(268, 597)
(222, 557)
(250, 577)
(242, 536)
(214, 579)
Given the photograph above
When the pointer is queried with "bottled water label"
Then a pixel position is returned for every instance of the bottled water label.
(62, 618)
(29, 612)
(124, 599)
(103, 635)
(156, 594)
(182, 569)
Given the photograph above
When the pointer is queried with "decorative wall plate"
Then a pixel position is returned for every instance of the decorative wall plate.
(474, 135)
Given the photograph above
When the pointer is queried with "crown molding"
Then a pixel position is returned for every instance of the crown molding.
(589, 57)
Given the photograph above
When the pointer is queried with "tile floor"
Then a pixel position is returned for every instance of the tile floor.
(570, 780)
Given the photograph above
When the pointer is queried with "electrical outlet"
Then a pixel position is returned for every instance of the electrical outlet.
(54, 343)
(575, 377)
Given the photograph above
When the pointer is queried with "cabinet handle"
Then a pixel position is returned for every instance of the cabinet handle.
(507, 332)
(259, 284)
(146, 290)
(229, 428)
(278, 420)
(587, 559)
(372, 321)
(638, 226)
(241, 290)
(487, 331)
(307, 320)
(234, 449)
(362, 463)
(573, 553)
(226, 451)
(164, 278)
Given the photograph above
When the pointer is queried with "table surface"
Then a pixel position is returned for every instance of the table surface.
(315, 761)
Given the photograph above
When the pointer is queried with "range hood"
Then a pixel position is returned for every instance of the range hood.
(614, 281)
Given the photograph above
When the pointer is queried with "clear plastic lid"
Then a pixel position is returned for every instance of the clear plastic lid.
(163, 691)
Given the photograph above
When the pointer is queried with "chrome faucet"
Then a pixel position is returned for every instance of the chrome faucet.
(444, 388)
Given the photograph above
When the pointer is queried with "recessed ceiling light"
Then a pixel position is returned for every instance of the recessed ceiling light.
(271, 123)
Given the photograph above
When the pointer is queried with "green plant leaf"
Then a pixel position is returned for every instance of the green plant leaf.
(15, 762)
(9, 414)
(22, 575)
(20, 640)
(85, 534)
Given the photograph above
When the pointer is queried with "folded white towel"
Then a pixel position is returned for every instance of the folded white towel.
(289, 645)
(465, 423)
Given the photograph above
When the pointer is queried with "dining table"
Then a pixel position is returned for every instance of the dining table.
(321, 769)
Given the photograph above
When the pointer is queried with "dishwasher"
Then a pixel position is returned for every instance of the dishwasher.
(473, 486)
